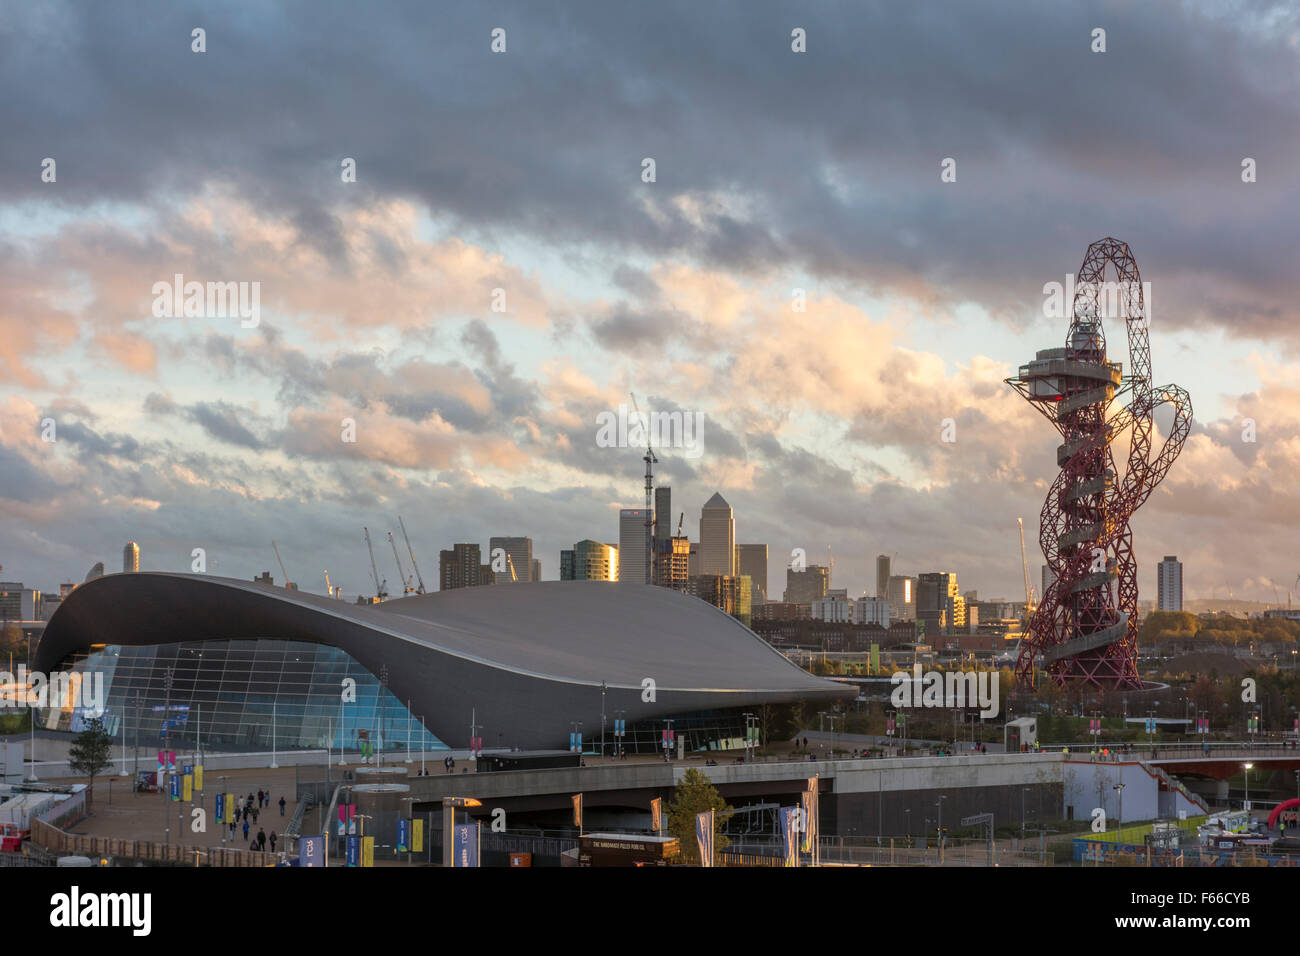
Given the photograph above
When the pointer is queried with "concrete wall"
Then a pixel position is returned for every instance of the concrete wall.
(1089, 785)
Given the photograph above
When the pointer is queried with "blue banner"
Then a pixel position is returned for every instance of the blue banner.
(221, 808)
(465, 845)
(311, 851)
(176, 787)
(403, 834)
(354, 850)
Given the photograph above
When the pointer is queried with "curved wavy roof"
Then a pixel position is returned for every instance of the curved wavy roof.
(526, 658)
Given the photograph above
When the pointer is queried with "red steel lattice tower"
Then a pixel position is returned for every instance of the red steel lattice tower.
(1085, 628)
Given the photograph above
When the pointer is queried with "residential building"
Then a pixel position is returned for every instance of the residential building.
(902, 598)
(131, 558)
(461, 567)
(804, 587)
(1169, 584)
(589, 560)
(673, 568)
(871, 610)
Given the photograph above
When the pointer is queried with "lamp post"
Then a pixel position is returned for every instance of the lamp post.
(1247, 766)
(1119, 788)
(939, 804)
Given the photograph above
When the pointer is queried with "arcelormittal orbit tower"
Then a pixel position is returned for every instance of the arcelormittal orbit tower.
(1085, 627)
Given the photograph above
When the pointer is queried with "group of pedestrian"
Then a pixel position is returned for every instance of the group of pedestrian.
(259, 842)
(245, 817)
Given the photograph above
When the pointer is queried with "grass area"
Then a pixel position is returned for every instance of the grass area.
(15, 723)
(1136, 832)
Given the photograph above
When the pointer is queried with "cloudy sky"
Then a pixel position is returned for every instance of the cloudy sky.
(523, 171)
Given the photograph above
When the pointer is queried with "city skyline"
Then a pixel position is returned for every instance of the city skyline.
(805, 283)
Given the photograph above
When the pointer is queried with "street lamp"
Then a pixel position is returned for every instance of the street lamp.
(939, 804)
(1119, 788)
(1248, 768)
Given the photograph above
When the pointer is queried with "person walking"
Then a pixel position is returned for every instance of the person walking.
(282, 806)
(273, 839)
(261, 839)
(259, 799)
(255, 813)
(245, 828)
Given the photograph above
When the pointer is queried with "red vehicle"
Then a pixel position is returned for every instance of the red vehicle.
(11, 840)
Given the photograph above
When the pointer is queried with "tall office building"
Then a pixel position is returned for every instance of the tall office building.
(461, 567)
(1047, 580)
(633, 545)
(516, 552)
(882, 576)
(589, 560)
(804, 587)
(131, 558)
(751, 559)
(934, 606)
(692, 559)
(664, 529)
(717, 537)
(1169, 584)
(537, 570)
(902, 598)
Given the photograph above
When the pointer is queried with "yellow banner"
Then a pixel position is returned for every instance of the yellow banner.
(417, 835)
(230, 808)
(187, 788)
(198, 778)
(368, 851)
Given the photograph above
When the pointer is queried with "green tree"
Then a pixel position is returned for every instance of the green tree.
(694, 795)
(91, 752)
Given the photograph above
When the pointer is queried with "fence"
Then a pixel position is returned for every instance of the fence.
(890, 851)
(56, 841)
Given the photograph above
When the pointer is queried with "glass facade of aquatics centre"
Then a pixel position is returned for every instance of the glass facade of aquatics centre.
(236, 693)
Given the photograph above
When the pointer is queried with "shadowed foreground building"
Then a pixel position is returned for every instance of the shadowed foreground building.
(526, 662)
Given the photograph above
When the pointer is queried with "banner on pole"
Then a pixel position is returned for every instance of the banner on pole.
(311, 851)
(657, 814)
(704, 836)
(465, 845)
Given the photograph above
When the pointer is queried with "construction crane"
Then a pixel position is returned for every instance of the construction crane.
(1024, 565)
(282, 569)
(650, 461)
(411, 551)
(401, 573)
(381, 592)
(329, 588)
(514, 579)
